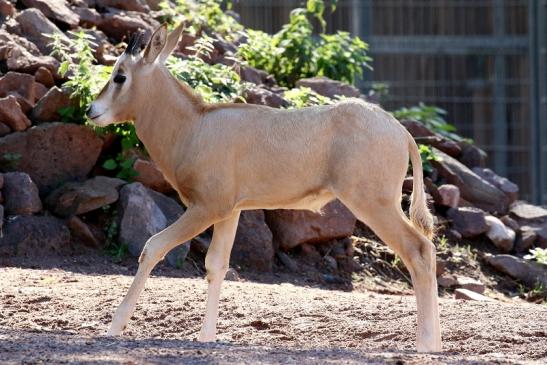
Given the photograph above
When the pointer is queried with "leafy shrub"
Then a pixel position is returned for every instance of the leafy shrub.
(427, 155)
(293, 53)
(200, 15)
(432, 117)
(301, 97)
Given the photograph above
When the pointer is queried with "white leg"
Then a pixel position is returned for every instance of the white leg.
(216, 263)
(192, 223)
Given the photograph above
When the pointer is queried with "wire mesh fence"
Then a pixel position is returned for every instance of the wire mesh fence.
(483, 61)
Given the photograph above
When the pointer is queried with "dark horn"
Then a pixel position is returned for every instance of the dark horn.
(134, 45)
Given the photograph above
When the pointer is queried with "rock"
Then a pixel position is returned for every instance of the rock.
(261, 96)
(472, 187)
(294, 227)
(503, 237)
(47, 108)
(44, 76)
(529, 273)
(1, 181)
(472, 156)
(526, 239)
(256, 76)
(134, 5)
(330, 88)
(19, 85)
(1, 218)
(510, 222)
(253, 246)
(417, 129)
(35, 27)
(140, 217)
(89, 17)
(81, 233)
(121, 24)
(51, 153)
(21, 194)
(471, 284)
(76, 198)
(20, 55)
(231, 275)
(510, 189)
(528, 212)
(330, 262)
(449, 147)
(56, 10)
(35, 236)
(469, 222)
(471, 295)
(287, 261)
(6, 8)
(12, 115)
(450, 195)
(447, 282)
(150, 176)
(4, 129)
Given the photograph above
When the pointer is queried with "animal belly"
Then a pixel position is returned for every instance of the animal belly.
(313, 202)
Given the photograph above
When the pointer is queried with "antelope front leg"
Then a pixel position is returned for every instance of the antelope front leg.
(192, 223)
(216, 263)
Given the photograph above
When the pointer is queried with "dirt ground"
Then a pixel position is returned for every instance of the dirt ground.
(58, 314)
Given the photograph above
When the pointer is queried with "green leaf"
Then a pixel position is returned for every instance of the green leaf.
(110, 164)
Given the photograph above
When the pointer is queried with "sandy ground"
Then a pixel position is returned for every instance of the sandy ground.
(58, 315)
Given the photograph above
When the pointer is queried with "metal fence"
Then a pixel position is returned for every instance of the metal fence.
(484, 61)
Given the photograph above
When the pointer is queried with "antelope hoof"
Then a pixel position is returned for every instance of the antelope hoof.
(429, 347)
(114, 331)
(206, 338)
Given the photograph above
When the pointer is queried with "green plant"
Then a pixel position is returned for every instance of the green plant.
(85, 79)
(293, 53)
(427, 154)
(432, 117)
(123, 166)
(538, 254)
(301, 97)
(200, 15)
(10, 160)
(215, 83)
(442, 242)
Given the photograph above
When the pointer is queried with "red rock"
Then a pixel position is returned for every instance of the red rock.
(89, 17)
(529, 273)
(471, 284)
(510, 189)
(150, 176)
(44, 76)
(134, 5)
(4, 129)
(294, 227)
(21, 55)
(469, 222)
(12, 115)
(19, 84)
(262, 96)
(21, 194)
(121, 24)
(47, 108)
(81, 233)
(6, 8)
(52, 153)
(330, 88)
(56, 10)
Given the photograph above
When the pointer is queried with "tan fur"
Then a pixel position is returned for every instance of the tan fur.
(226, 158)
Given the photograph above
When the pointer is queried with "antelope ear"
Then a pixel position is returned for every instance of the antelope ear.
(172, 41)
(156, 44)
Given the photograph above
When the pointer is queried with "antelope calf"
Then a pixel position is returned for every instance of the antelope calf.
(225, 158)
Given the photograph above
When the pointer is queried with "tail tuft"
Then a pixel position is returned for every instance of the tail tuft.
(420, 216)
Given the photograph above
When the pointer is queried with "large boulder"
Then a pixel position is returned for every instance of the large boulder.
(469, 222)
(532, 217)
(75, 198)
(471, 155)
(12, 115)
(472, 187)
(529, 273)
(33, 25)
(330, 88)
(253, 246)
(56, 10)
(22, 86)
(21, 194)
(51, 153)
(291, 228)
(143, 213)
(35, 236)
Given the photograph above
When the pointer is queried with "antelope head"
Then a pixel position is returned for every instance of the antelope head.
(134, 70)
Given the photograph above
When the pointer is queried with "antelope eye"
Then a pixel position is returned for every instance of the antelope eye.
(119, 79)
